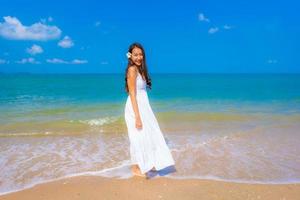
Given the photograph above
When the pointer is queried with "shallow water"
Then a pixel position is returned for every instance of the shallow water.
(239, 128)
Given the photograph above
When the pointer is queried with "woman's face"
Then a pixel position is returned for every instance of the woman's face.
(137, 56)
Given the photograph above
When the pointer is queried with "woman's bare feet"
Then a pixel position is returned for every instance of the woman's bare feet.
(136, 171)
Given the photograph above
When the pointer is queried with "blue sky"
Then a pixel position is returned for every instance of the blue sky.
(178, 36)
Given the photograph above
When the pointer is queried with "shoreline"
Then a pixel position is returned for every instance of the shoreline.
(95, 187)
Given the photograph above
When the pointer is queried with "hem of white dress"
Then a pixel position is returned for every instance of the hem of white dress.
(160, 168)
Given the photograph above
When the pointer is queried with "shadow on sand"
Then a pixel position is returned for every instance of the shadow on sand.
(162, 172)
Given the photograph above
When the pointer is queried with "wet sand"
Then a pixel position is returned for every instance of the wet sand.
(137, 188)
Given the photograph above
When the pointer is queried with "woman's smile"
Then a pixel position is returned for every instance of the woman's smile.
(137, 56)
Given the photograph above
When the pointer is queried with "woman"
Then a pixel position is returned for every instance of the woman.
(148, 148)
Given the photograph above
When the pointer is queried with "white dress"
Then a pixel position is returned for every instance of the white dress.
(148, 147)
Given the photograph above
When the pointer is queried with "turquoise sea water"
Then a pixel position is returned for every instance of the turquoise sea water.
(232, 127)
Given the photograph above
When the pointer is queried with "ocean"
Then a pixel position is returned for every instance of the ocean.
(230, 127)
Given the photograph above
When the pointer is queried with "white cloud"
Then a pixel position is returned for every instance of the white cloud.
(60, 61)
(201, 17)
(97, 23)
(272, 61)
(213, 30)
(2, 61)
(66, 42)
(35, 49)
(13, 29)
(56, 61)
(227, 27)
(28, 61)
(77, 61)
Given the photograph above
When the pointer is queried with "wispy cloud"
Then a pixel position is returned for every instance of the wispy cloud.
(213, 30)
(2, 61)
(97, 23)
(201, 17)
(35, 49)
(227, 27)
(13, 29)
(28, 61)
(272, 61)
(60, 61)
(56, 61)
(77, 61)
(66, 42)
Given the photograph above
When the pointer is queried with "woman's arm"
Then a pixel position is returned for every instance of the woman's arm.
(131, 81)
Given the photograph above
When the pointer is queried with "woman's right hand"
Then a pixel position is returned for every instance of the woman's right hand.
(138, 123)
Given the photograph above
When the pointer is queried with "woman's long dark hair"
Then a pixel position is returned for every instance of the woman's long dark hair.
(142, 69)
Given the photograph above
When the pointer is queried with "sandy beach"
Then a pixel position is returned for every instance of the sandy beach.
(94, 187)
(223, 132)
